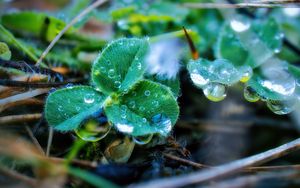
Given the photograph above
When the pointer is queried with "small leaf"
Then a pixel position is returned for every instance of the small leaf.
(120, 65)
(66, 108)
(5, 53)
(147, 108)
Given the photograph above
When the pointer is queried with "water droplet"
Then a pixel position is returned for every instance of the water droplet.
(215, 92)
(141, 108)
(60, 108)
(239, 24)
(132, 104)
(277, 50)
(144, 120)
(139, 66)
(134, 94)
(117, 84)
(88, 98)
(162, 123)
(77, 108)
(124, 127)
(141, 140)
(69, 85)
(93, 131)
(147, 93)
(103, 69)
(279, 80)
(108, 62)
(246, 76)
(155, 103)
(198, 79)
(111, 73)
(281, 107)
(250, 95)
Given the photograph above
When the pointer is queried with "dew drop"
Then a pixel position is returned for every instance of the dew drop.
(69, 85)
(281, 107)
(239, 24)
(89, 99)
(117, 84)
(132, 104)
(155, 103)
(277, 50)
(111, 73)
(246, 76)
(139, 66)
(141, 140)
(250, 95)
(144, 120)
(93, 131)
(162, 123)
(198, 79)
(103, 69)
(141, 108)
(215, 92)
(147, 93)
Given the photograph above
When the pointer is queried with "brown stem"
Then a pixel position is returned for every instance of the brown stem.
(16, 175)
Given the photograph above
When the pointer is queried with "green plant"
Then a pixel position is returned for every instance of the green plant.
(133, 105)
(247, 52)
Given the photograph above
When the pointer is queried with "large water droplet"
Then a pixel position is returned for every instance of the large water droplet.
(93, 131)
(250, 95)
(198, 79)
(279, 80)
(239, 24)
(162, 123)
(141, 140)
(88, 98)
(103, 69)
(215, 91)
(111, 73)
(281, 107)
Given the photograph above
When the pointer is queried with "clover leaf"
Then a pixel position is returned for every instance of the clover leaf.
(133, 105)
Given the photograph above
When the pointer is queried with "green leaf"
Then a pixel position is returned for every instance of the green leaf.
(36, 24)
(5, 53)
(120, 65)
(147, 108)
(66, 108)
(254, 45)
(221, 71)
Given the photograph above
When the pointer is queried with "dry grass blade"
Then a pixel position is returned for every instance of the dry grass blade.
(19, 118)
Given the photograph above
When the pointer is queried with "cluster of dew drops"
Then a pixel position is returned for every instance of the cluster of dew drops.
(281, 82)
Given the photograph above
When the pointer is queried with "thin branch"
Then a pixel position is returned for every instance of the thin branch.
(184, 161)
(223, 170)
(19, 118)
(17, 176)
(68, 26)
(239, 5)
